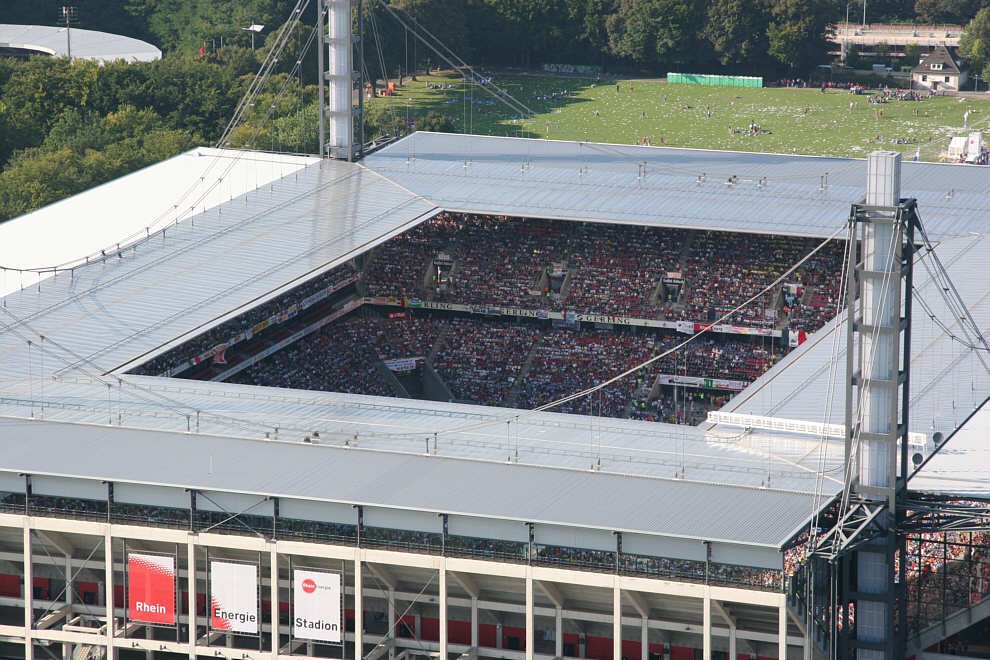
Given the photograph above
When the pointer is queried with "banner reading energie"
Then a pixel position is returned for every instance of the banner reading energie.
(234, 597)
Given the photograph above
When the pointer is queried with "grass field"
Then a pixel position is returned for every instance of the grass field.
(804, 121)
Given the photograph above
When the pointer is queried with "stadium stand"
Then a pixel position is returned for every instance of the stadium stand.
(335, 359)
(593, 268)
(481, 261)
(480, 360)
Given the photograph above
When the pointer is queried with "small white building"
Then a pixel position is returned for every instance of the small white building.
(938, 71)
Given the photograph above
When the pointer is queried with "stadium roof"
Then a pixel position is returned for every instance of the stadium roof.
(660, 186)
(950, 380)
(580, 498)
(66, 343)
(130, 208)
(85, 44)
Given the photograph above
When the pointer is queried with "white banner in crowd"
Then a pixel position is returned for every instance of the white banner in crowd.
(234, 597)
(316, 606)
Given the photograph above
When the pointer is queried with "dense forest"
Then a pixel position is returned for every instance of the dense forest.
(66, 126)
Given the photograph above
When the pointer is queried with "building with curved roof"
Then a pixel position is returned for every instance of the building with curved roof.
(26, 40)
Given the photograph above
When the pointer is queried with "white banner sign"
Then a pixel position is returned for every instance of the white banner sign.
(316, 606)
(234, 597)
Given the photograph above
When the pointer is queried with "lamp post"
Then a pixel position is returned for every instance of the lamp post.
(976, 82)
(69, 16)
(254, 29)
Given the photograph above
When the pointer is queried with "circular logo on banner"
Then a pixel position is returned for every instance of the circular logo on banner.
(308, 585)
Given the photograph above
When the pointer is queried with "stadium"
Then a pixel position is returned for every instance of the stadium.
(529, 533)
(482, 397)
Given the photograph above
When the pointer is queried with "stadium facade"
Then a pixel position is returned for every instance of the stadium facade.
(454, 529)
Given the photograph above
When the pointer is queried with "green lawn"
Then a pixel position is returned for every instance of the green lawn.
(802, 121)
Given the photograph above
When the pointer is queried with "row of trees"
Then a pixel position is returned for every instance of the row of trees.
(67, 126)
(740, 35)
(760, 36)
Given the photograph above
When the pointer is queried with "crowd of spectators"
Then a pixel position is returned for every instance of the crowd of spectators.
(946, 572)
(684, 406)
(726, 357)
(504, 260)
(562, 555)
(471, 546)
(402, 539)
(725, 270)
(895, 94)
(566, 362)
(614, 270)
(820, 278)
(400, 336)
(317, 531)
(336, 358)
(181, 355)
(400, 265)
(480, 360)
(520, 363)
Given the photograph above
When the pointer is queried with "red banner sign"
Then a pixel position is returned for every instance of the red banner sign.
(151, 588)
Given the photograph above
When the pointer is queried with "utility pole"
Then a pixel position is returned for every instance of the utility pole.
(69, 15)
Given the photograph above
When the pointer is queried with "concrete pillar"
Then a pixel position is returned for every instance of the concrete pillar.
(782, 632)
(529, 615)
(558, 632)
(273, 597)
(28, 594)
(191, 590)
(880, 290)
(339, 76)
(442, 602)
(358, 598)
(616, 623)
(108, 578)
(475, 639)
(66, 646)
(644, 639)
(706, 632)
(393, 625)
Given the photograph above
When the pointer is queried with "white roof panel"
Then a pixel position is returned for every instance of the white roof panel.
(131, 208)
(660, 186)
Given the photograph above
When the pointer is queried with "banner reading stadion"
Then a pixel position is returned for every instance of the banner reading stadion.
(151, 588)
(316, 606)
